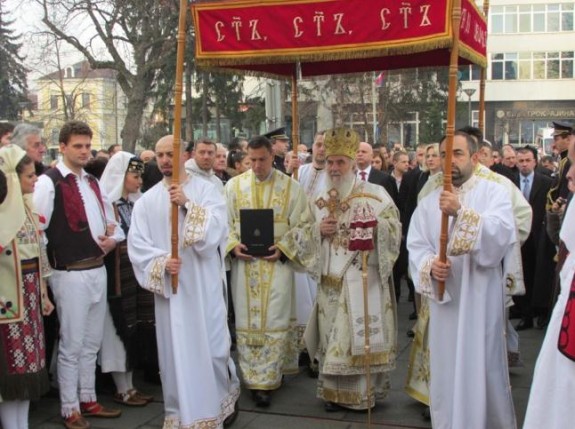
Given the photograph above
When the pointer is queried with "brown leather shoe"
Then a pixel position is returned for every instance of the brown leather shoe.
(75, 421)
(93, 409)
(140, 395)
(130, 400)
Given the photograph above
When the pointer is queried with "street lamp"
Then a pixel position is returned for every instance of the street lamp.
(469, 92)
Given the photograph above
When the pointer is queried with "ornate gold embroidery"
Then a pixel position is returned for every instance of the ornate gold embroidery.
(226, 406)
(425, 281)
(155, 281)
(332, 282)
(465, 233)
(194, 224)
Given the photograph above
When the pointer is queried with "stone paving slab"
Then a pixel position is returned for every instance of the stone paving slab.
(295, 405)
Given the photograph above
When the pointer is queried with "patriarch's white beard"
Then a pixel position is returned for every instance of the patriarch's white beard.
(342, 184)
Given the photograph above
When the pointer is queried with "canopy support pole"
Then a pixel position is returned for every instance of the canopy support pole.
(451, 107)
(295, 117)
(481, 125)
(178, 129)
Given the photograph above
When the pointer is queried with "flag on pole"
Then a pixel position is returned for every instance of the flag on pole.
(380, 80)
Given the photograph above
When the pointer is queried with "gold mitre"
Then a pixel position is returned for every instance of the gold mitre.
(341, 142)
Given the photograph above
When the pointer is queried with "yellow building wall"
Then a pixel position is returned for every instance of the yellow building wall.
(105, 112)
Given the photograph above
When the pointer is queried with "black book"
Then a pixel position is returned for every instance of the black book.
(257, 231)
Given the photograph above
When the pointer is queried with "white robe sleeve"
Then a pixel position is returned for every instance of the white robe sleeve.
(486, 236)
(206, 221)
(148, 260)
(422, 247)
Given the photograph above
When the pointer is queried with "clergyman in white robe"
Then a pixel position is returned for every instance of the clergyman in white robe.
(552, 398)
(313, 182)
(469, 384)
(199, 381)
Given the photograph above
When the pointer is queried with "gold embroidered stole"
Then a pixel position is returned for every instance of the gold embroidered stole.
(273, 193)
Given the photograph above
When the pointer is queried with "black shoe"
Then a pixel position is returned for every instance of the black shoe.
(426, 414)
(525, 323)
(261, 398)
(410, 333)
(331, 407)
(514, 314)
(233, 416)
(542, 322)
(303, 359)
(413, 316)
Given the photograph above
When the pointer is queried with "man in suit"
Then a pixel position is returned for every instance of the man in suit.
(398, 174)
(365, 172)
(534, 187)
(507, 167)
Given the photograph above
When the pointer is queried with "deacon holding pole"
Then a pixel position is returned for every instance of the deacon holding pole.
(350, 340)
(198, 375)
(468, 354)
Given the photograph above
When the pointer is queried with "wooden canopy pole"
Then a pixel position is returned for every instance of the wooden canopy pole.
(482, 78)
(178, 128)
(294, 118)
(451, 106)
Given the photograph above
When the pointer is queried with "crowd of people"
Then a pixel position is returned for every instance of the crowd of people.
(344, 227)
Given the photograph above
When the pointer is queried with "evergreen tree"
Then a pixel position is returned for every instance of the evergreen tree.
(12, 72)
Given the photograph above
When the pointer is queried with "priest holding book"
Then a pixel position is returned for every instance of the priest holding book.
(266, 247)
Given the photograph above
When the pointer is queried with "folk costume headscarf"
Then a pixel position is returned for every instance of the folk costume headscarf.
(12, 211)
(112, 180)
(12, 219)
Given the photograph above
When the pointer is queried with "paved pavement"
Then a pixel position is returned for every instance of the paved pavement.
(295, 404)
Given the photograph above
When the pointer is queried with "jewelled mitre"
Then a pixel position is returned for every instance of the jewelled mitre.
(341, 142)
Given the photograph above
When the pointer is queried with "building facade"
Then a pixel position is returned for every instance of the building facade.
(530, 74)
(78, 92)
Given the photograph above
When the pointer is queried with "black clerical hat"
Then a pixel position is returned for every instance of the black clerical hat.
(279, 134)
(561, 129)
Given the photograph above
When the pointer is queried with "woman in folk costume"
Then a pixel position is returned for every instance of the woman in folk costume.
(121, 182)
(23, 297)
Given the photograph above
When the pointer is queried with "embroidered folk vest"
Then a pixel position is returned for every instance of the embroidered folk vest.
(69, 236)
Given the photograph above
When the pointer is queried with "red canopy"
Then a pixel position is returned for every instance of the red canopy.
(267, 37)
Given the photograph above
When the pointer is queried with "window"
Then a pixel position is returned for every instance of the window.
(532, 65)
(504, 66)
(536, 18)
(525, 19)
(567, 17)
(525, 65)
(553, 17)
(510, 19)
(538, 65)
(54, 102)
(86, 100)
(567, 65)
(552, 65)
(471, 72)
(496, 19)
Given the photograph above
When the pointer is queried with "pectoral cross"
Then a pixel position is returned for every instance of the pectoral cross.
(333, 203)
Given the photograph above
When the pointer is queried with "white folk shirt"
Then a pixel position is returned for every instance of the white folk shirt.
(45, 192)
